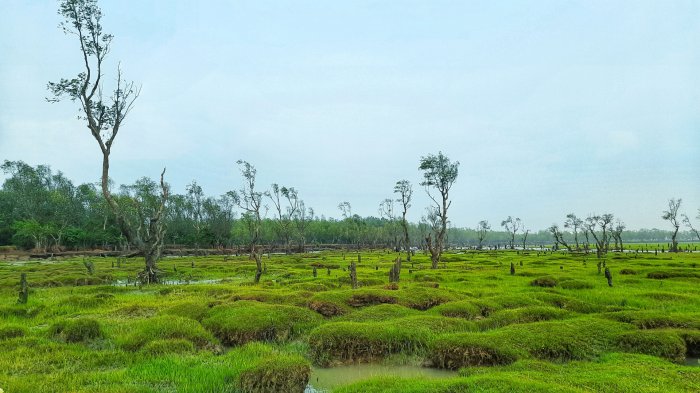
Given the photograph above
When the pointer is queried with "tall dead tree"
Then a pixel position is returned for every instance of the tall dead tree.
(671, 215)
(386, 212)
(105, 116)
(689, 224)
(439, 173)
(285, 214)
(616, 233)
(405, 191)
(574, 223)
(558, 237)
(302, 218)
(250, 201)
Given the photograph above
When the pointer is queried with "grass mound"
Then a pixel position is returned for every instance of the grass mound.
(245, 321)
(77, 330)
(381, 312)
(546, 282)
(664, 344)
(166, 327)
(191, 310)
(342, 342)
(572, 339)
(522, 315)
(657, 319)
(576, 284)
(12, 331)
(459, 309)
(168, 346)
(283, 373)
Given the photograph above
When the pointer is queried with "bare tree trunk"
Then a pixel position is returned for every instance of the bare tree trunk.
(434, 253)
(258, 265)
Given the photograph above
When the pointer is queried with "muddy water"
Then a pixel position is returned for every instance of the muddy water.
(326, 379)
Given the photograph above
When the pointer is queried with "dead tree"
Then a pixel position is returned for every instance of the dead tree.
(558, 237)
(285, 214)
(686, 221)
(671, 215)
(105, 117)
(616, 233)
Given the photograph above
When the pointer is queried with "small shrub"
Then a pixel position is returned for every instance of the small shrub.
(628, 272)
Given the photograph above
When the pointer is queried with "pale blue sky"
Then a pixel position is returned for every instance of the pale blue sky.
(550, 106)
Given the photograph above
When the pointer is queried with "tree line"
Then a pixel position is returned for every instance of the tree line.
(42, 209)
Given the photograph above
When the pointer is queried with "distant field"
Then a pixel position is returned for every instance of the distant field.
(555, 325)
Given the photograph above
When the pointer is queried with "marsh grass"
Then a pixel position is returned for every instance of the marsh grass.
(96, 333)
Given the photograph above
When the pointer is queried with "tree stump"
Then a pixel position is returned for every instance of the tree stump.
(394, 273)
(353, 275)
(608, 276)
(23, 289)
(512, 269)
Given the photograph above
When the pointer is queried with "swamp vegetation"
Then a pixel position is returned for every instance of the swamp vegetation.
(552, 324)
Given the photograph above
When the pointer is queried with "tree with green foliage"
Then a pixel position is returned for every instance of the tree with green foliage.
(602, 238)
(405, 190)
(195, 202)
(105, 117)
(250, 200)
(439, 173)
(512, 226)
(671, 215)
(482, 229)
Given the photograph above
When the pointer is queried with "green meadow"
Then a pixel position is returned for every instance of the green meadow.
(554, 325)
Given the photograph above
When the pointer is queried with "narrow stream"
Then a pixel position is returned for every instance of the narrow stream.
(324, 380)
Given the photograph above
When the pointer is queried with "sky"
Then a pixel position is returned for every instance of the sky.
(551, 107)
